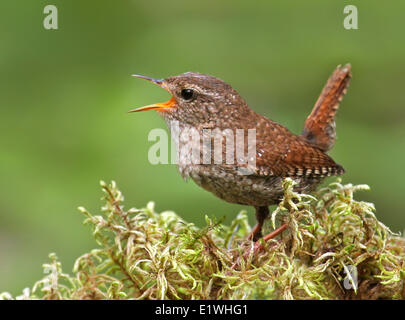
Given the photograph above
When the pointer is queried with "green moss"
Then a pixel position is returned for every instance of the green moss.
(334, 248)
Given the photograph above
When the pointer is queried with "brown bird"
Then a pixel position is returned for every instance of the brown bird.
(202, 104)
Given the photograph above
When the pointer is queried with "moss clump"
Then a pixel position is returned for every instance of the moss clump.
(334, 248)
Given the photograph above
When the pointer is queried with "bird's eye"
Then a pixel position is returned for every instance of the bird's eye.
(187, 94)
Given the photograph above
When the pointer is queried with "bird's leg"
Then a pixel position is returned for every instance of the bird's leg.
(258, 246)
(271, 235)
(261, 214)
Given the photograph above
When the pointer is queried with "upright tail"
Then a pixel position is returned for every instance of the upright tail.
(320, 127)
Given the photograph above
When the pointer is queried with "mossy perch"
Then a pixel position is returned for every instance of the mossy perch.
(146, 255)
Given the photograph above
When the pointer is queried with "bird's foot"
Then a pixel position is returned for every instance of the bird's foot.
(258, 246)
(256, 233)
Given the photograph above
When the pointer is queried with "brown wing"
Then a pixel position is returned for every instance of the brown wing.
(320, 128)
(281, 153)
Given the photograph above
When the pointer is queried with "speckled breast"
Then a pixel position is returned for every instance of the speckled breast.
(227, 184)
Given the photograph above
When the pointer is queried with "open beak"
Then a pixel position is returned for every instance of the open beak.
(162, 106)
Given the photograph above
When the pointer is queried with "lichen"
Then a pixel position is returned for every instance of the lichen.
(334, 248)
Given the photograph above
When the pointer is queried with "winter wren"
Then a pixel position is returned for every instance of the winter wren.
(201, 103)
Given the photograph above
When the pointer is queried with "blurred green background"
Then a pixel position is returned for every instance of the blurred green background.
(64, 95)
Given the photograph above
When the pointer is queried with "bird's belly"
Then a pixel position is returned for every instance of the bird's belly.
(232, 187)
(227, 184)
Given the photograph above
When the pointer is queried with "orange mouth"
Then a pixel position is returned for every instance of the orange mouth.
(162, 106)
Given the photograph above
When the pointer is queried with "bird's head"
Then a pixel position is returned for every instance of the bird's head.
(197, 99)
